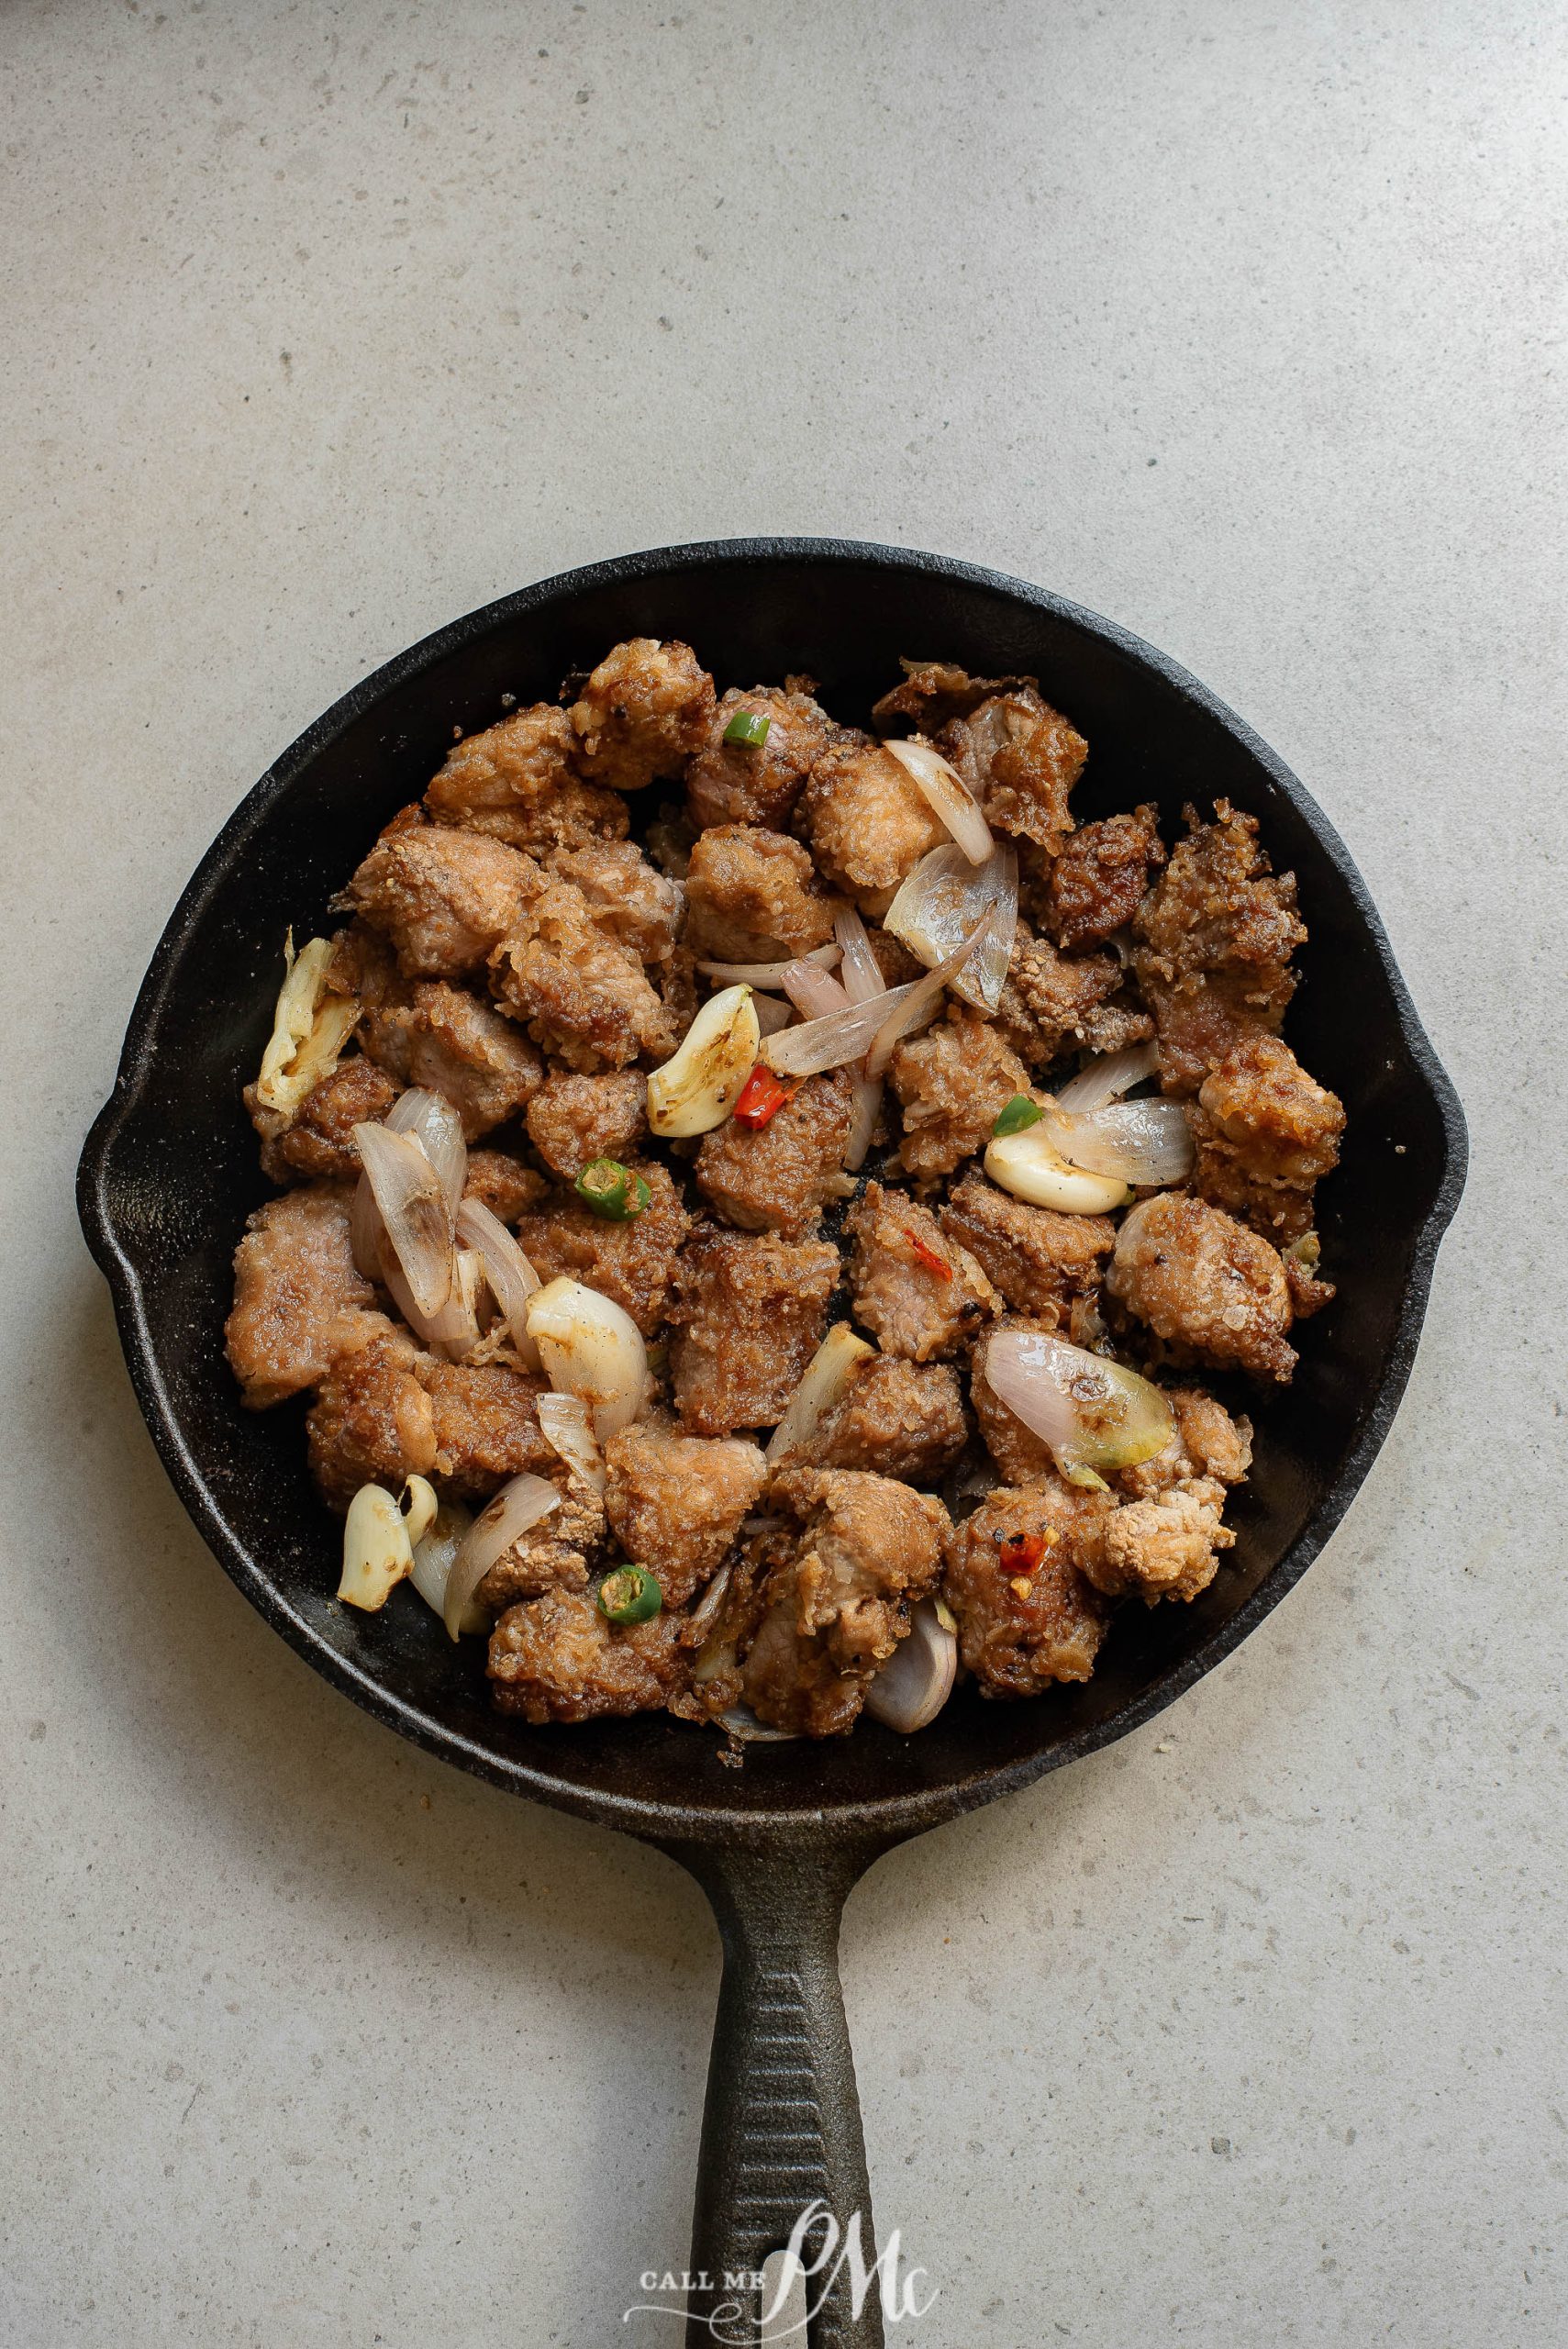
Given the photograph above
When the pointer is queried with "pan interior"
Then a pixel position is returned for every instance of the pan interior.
(173, 1171)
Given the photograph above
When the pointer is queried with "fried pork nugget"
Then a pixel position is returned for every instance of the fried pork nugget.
(454, 1043)
(486, 1426)
(642, 713)
(571, 1120)
(444, 899)
(372, 1422)
(867, 820)
(919, 1293)
(632, 902)
(753, 896)
(298, 1302)
(1266, 1133)
(515, 782)
(952, 1082)
(1206, 1285)
(749, 1313)
(781, 1175)
(583, 999)
(676, 1502)
(556, 1659)
(746, 782)
(1097, 883)
(894, 1419)
(1020, 757)
(633, 1262)
(1028, 1616)
(1039, 1260)
(317, 1142)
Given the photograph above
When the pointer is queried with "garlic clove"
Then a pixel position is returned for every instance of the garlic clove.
(1029, 1166)
(377, 1552)
(698, 1086)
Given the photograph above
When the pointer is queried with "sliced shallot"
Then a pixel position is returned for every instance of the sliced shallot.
(515, 1507)
(916, 1680)
(860, 973)
(565, 1426)
(742, 1723)
(1138, 1141)
(453, 1330)
(837, 1360)
(837, 1037)
(591, 1347)
(1095, 1415)
(813, 991)
(437, 1129)
(767, 975)
(920, 999)
(433, 1556)
(412, 1207)
(865, 1107)
(1107, 1077)
(512, 1278)
(946, 792)
(941, 902)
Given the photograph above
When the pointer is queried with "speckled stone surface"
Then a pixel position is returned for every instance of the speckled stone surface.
(1239, 323)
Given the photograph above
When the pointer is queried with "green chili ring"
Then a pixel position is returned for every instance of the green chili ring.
(630, 1594)
(748, 726)
(612, 1190)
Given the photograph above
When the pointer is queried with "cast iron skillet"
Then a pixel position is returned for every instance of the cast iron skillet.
(168, 1174)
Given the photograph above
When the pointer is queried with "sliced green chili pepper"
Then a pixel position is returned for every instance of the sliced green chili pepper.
(630, 1594)
(1016, 1113)
(612, 1190)
(748, 726)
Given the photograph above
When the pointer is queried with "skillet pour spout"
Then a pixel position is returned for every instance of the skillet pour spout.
(168, 1174)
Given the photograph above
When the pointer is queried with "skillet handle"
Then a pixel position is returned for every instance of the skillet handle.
(782, 2125)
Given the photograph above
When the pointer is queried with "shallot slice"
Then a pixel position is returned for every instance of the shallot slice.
(433, 1558)
(920, 999)
(916, 1680)
(564, 1424)
(1095, 1415)
(1138, 1141)
(591, 1347)
(413, 1207)
(768, 975)
(860, 973)
(814, 992)
(512, 1278)
(1107, 1077)
(515, 1507)
(939, 903)
(742, 1723)
(437, 1129)
(865, 1106)
(837, 1359)
(947, 793)
(453, 1330)
(837, 1037)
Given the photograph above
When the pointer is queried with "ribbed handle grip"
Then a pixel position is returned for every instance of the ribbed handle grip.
(782, 2129)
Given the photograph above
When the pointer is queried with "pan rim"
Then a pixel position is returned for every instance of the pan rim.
(884, 1820)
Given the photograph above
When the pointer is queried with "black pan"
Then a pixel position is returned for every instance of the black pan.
(168, 1174)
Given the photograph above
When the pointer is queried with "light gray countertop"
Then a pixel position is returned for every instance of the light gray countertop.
(1239, 323)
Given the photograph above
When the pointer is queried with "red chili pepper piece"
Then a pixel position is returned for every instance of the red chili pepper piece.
(761, 1096)
(929, 1258)
(1022, 1554)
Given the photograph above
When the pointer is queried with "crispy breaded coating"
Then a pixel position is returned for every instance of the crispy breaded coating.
(1039, 1259)
(583, 998)
(1097, 880)
(867, 820)
(952, 1083)
(1266, 1133)
(487, 1425)
(1206, 1443)
(1216, 935)
(676, 1502)
(318, 1143)
(573, 1119)
(1020, 757)
(370, 1422)
(643, 712)
(633, 903)
(556, 1659)
(456, 1044)
(445, 898)
(1204, 1284)
(1021, 1457)
(741, 783)
(1027, 1614)
(748, 1315)
(516, 782)
(933, 692)
(896, 1419)
(911, 1307)
(502, 1184)
(1165, 1539)
(1052, 1004)
(298, 1302)
(554, 1554)
(632, 1263)
(836, 1603)
(753, 896)
(780, 1176)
